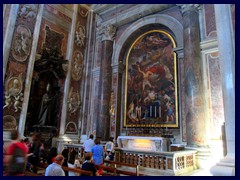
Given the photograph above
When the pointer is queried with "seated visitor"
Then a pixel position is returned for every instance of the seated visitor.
(55, 169)
(65, 153)
(52, 155)
(73, 163)
(109, 149)
(88, 165)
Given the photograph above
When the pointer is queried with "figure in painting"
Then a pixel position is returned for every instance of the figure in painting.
(146, 76)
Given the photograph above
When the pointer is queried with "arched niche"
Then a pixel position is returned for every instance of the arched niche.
(153, 22)
(38, 89)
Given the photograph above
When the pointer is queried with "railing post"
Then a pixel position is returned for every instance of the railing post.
(166, 162)
(137, 170)
(174, 164)
(185, 161)
(115, 170)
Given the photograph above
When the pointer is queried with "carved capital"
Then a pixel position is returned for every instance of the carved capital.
(107, 32)
(188, 7)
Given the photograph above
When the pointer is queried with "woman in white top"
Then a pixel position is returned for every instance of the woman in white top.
(109, 149)
(73, 163)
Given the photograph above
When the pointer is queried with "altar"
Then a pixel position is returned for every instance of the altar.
(152, 153)
(143, 143)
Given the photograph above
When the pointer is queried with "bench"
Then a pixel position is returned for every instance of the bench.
(119, 171)
(76, 170)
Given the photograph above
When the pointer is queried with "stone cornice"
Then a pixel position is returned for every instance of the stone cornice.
(134, 13)
(99, 8)
(209, 45)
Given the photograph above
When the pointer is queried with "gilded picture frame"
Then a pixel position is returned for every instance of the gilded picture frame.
(151, 98)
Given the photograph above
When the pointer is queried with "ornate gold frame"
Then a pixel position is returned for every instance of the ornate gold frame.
(174, 125)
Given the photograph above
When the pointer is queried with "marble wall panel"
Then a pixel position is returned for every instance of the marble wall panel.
(81, 24)
(216, 97)
(209, 22)
(53, 27)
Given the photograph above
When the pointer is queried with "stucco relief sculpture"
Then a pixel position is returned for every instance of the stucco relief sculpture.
(71, 127)
(13, 92)
(22, 43)
(18, 102)
(14, 87)
(107, 32)
(28, 11)
(8, 102)
(82, 12)
(9, 122)
(77, 65)
(112, 106)
(73, 101)
(80, 35)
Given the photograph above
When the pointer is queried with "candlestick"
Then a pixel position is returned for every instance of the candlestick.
(159, 111)
(155, 111)
(150, 111)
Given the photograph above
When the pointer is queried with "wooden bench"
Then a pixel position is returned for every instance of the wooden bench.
(108, 170)
(76, 170)
(28, 173)
(119, 171)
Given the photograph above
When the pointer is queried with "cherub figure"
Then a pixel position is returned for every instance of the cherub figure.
(7, 101)
(17, 103)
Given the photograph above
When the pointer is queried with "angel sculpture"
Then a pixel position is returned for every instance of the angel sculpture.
(7, 101)
(17, 103)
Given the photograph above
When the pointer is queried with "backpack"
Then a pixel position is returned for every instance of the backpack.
(18, 161)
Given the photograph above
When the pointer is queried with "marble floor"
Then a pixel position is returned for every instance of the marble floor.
(154, 172)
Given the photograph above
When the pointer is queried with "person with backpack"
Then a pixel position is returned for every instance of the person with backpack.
(16, 156)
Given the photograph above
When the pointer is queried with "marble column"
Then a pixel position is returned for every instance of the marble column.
(180, 62)
(194, 101)
(226, 46)
(29, 75)
(9, 34)
(103, 117)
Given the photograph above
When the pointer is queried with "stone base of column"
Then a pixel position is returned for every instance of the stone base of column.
(226, 167)
(64, 139)
(205, 158)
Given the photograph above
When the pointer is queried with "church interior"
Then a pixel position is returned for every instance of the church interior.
(158, 78)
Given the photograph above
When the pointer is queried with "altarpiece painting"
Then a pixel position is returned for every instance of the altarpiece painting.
(151, 82)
